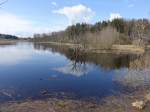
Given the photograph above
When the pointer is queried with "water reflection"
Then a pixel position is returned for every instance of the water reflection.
(75, 69)
(135, 78)
(104, 60)
(131, 70)
(11, 55)
(138, 73)
(56, 69)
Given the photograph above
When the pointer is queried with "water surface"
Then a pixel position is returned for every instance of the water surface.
(36, 71)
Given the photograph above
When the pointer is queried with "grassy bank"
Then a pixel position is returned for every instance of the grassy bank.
(128, 48)
(7, 42)
(115, 48)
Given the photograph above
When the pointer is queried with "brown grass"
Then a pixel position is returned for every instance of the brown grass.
(128, 48)
(119, 103)
(7, 42)
(115, 48)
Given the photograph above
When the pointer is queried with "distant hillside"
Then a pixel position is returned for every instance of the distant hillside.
(4, 36)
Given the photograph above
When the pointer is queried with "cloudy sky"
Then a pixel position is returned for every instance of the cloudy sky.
(26, 17)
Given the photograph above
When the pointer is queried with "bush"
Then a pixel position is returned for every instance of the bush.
(102, 39)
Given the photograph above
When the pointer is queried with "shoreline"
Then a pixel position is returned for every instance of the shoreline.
(7, 42)
(118, 103)
(118, 49)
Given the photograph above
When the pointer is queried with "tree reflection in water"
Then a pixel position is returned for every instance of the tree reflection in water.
(77, 65)
(136, 67)
(104, 60)
(138, 73)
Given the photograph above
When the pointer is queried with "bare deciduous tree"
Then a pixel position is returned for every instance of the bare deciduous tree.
(103, 39)
(139, 31)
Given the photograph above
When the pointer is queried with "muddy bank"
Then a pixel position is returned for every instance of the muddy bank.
(118, 103)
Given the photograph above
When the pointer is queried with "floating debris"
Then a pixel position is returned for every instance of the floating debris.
(147, 97)
(44, 92)
(139, 104)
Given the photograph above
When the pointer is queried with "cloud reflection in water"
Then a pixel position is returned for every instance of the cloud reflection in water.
(13, 55)
(75, 69)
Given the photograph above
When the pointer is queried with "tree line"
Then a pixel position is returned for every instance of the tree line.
(102, 34)
(4, 36)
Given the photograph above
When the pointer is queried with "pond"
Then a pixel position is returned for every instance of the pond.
(37, 71)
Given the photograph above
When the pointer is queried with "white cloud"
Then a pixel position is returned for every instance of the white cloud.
(131, 5)
(77, 13)
(54, 3)
(12, 24)
(114, 16)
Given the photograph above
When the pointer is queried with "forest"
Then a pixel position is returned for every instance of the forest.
(102, 34)
(4, 36)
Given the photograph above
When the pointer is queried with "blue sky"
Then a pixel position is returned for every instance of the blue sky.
(25, 17)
